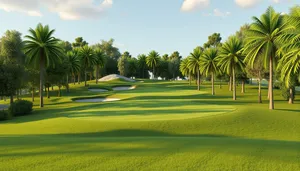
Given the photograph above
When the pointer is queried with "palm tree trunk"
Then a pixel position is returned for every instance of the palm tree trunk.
(220, 83)
(233, 82)
(41, 80)
(48, 93)
(212, 84)
(32, 95)
(259, 91)
(74, 79)
(91, 76)
(153, 72)
(85, 78)
(59, 91)
(11, 99)
(97, 74)
(243, 86)
(230, 83)
(68, 89)
(190, 79)
(79, 78)
(198, 80)
(291, 100)
(271, 101)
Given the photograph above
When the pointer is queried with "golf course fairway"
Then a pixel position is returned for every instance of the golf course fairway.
(160, 125)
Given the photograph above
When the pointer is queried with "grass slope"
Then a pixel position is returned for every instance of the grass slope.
(158, 126)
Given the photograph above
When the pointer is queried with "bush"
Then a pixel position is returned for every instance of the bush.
(4, 115)
(20, 108)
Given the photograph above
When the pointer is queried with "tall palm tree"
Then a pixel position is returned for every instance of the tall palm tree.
(42, 49)
(184, 69)
(74, 64)
(263, 41)
(231, 59)
(142, 63)
(194, 63)
(289, 64)
(88, 59)
(100, 62)
(209, 65)
(152, 60)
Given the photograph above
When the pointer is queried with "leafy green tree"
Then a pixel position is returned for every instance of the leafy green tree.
(42, 49)
(214, 40)
(123, 64)
(100, 62)
(194, 63)
(174, 64)
(88, 59)
(209, 65)
(66, 46)
(142, 65)
(231, 59)
(79, 42)
(165, 57)
(241, 34)
(152, 61)
(32, 77)
(74, 64)
(184, 69)
(132, 67)
(262, 42)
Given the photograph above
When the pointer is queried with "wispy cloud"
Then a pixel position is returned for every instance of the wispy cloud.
(66, 9)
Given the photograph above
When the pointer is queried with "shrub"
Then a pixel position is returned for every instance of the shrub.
(4, 115)
(20, 108)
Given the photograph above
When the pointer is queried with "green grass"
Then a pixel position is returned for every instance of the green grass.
(158, 126)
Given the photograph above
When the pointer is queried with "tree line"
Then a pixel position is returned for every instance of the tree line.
(268, 49)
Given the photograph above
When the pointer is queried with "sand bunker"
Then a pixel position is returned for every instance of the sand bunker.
(98, 90)
(97, 100)
(123, 88)
(115, 77)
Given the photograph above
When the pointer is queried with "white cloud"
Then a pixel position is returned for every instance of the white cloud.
(66, 9)
(192, 5)
(219, 13)
(247, 3)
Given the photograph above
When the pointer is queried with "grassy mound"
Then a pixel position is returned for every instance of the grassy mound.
(159, 126)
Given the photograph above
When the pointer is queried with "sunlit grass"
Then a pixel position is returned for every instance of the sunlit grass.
(160, 125)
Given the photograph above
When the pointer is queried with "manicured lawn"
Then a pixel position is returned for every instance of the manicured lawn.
(158, 126)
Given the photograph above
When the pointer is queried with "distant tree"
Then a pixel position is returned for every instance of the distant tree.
(173, 66)
(42, 49)
(100, 62)
(194, 63)
(231, 59)
(214, 40)
(79, 42)
(132, 67)
(185, 70)
(66, 46)
(165, 57)
(123, 66)
(152, 60)
(74, 64)
(209, 65)
(241, 34)
(142, 65)
(88, 59)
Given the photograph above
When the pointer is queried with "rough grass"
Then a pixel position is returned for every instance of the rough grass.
(158, 126)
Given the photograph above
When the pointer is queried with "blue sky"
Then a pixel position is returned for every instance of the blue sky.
(137, 26)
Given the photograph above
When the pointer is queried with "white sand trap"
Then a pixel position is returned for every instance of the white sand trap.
(97, 100)
(115, 77)
(123, 88)
(98, 90)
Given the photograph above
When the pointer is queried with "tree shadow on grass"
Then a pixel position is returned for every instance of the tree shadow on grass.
(146, 142)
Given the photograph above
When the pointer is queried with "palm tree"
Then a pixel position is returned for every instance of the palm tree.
(231, 59)
(152, 61)
(263, 42)
(194, 63)
(74, 64)
(88, 59)
(42, 49)
(142, 63)
(208, 64)
(184, 69)
(100, 62)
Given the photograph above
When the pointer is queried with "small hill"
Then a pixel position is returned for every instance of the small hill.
(116, 77)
